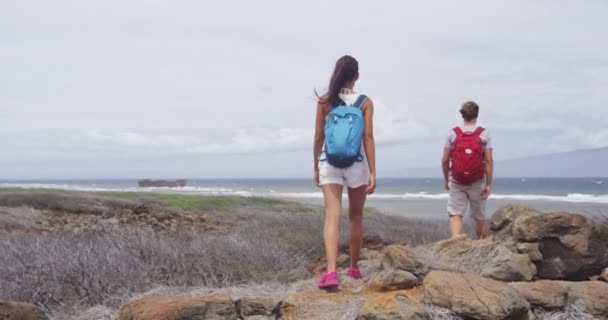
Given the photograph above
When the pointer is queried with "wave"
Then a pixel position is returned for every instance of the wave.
(253, 192)
(574, 197)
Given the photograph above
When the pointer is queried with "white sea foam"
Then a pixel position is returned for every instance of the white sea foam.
(573, 197)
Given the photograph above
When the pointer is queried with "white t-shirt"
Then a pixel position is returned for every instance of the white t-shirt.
(485, 137)
(349, 98)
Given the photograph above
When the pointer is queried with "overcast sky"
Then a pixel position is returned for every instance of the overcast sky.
(129, 88)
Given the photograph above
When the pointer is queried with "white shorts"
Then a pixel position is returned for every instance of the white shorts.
(461, 197)
(352, 177)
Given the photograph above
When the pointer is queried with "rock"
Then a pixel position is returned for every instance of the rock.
(393, 280)
(508, 266)
(473, 296)
(213, 306)
(502, 220)
(590, 296)
(570, 246)
(392, 306)
(485, 257)
(403, 258)
(573, 230)
(20, 311)
(266, 307)
(531, 249)
(546, 294)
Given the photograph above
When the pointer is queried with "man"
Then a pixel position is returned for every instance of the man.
(467, 159)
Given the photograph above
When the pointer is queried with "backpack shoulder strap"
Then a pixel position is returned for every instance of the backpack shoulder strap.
(478, 131)
(458, 131)
(360, 102)
(341, 103)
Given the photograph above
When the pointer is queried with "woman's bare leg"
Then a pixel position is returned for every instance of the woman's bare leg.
(332, 193)
(356, 199)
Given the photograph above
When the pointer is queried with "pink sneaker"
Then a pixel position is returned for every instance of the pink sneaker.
(354, 273)
(328, 280)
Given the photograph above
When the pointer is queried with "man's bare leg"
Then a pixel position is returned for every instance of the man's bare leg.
(455, 225)
(480, 228)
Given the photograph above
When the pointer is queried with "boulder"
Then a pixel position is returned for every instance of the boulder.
(589, 296)
(485, 257)
(546, 294)
(506, 265)
(393, 280)
(213, 306)
(573, 230)
(392, 306)
(20, 311)
(502, 220)
(572, 245)
(473, 296)
(564, 246)
(403, 258)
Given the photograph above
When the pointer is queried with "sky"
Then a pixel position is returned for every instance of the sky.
(225, 89)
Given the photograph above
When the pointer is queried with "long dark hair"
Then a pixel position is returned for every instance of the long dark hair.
(347, 69)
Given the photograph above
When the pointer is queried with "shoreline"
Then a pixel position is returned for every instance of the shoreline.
(414, 207)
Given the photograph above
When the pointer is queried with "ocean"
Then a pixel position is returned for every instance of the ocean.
(407, 197)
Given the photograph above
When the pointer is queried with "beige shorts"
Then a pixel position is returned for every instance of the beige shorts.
(352, 177)
(460, 196)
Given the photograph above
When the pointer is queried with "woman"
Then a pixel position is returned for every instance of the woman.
(359, 177)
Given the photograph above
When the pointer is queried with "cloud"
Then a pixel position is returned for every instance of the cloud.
(138, 79)
(391, 128)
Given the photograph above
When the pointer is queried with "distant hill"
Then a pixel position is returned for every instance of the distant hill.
(580, 163)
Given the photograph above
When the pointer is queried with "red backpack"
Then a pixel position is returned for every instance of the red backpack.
(467, 157)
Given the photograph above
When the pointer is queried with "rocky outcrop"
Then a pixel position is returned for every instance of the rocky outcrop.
(20, 311)
(493, 278)
(589, 296)
(474, 296)
(570, 246)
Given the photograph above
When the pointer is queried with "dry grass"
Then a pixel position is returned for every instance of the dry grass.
(569, 313)
(69, 273)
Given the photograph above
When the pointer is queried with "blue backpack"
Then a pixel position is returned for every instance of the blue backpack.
(344, 134)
